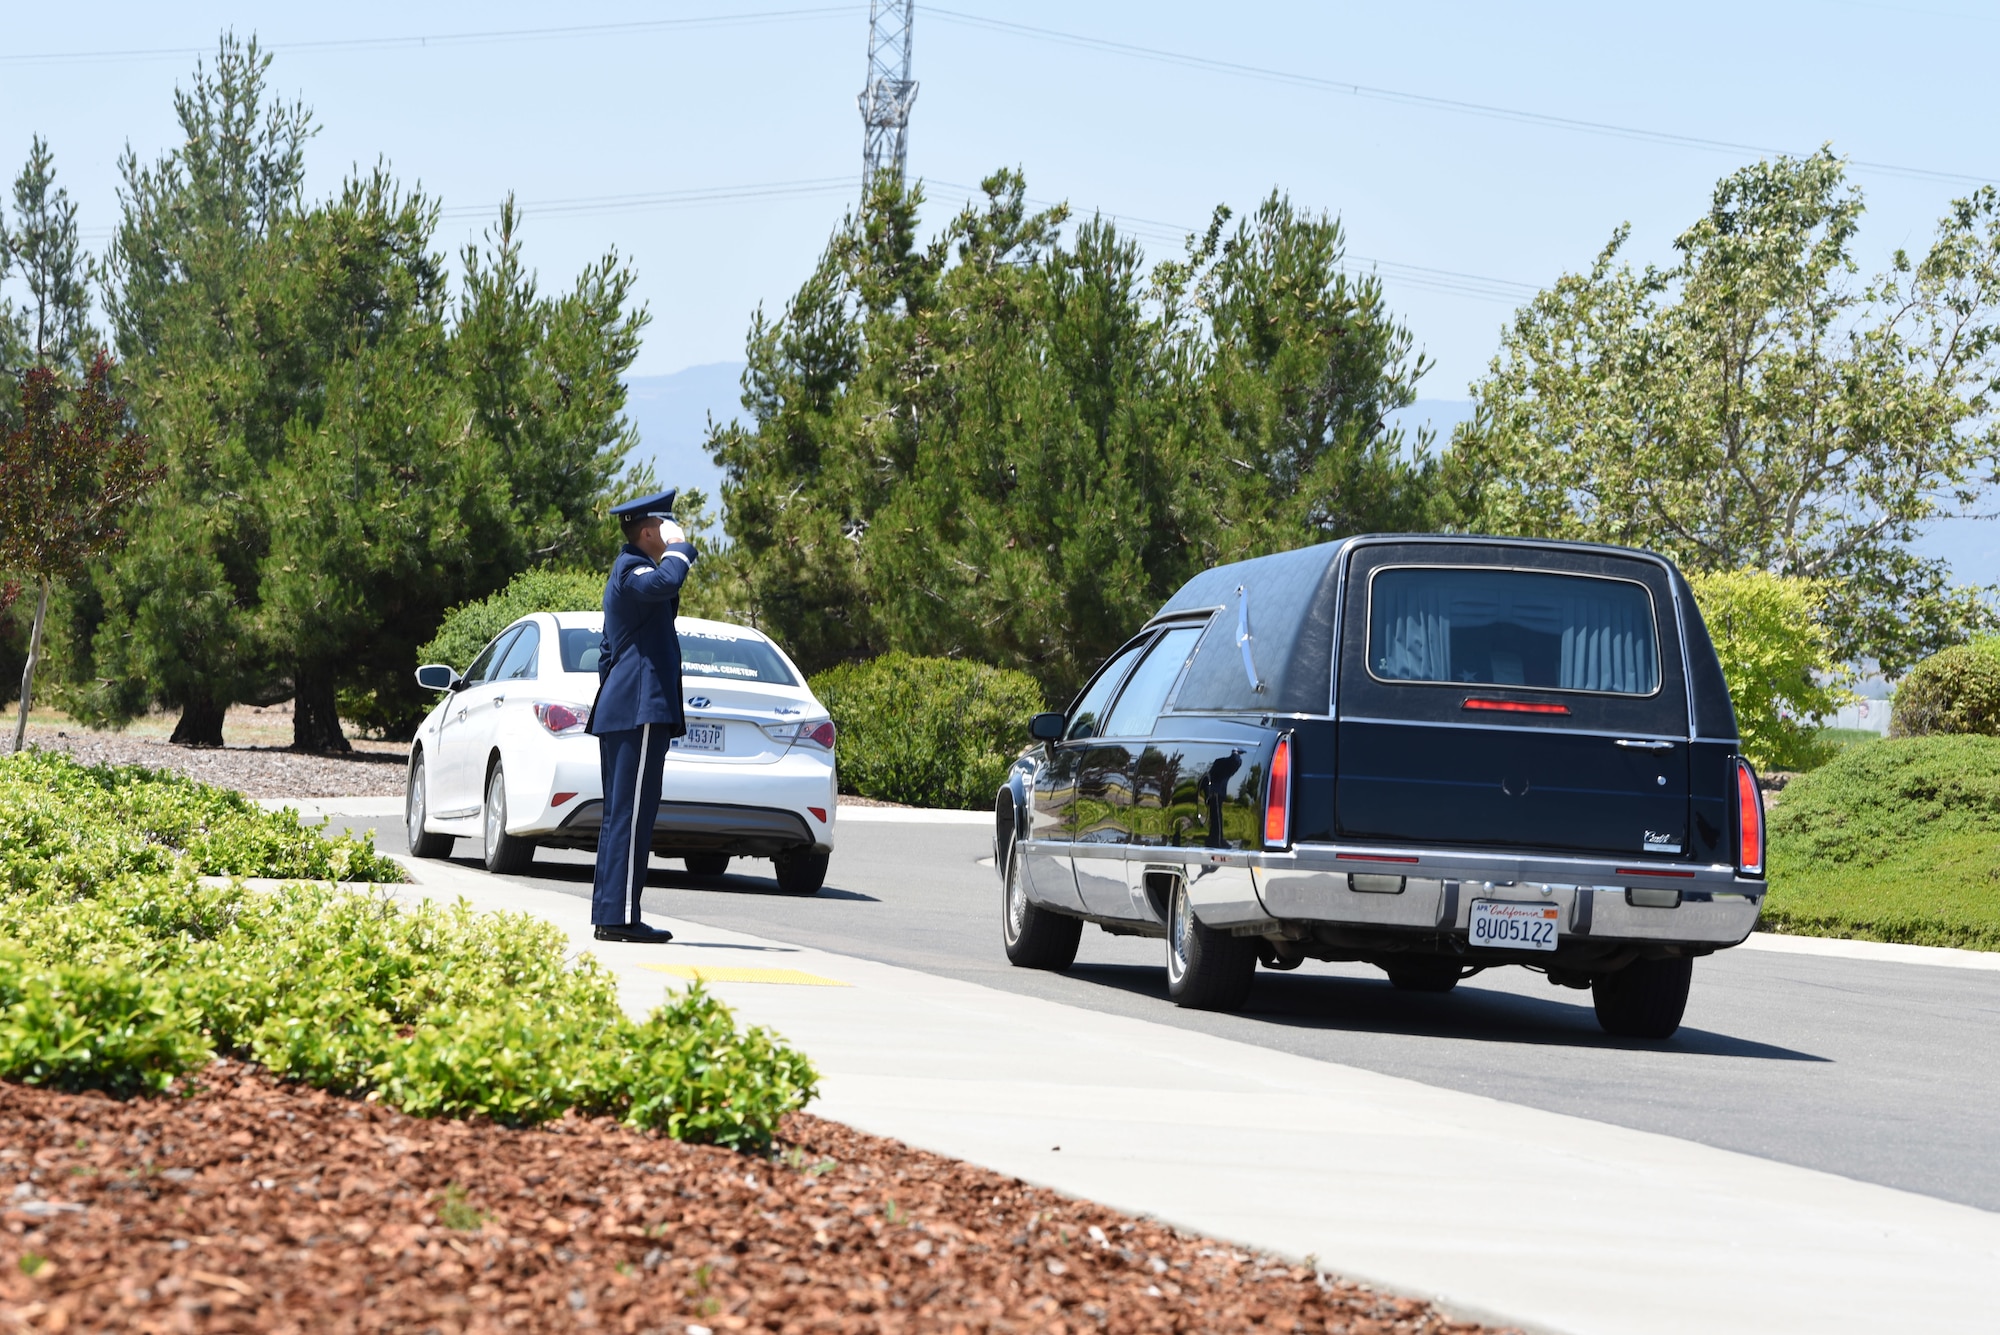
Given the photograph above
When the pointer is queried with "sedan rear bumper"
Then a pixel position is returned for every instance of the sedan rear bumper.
(703, 827)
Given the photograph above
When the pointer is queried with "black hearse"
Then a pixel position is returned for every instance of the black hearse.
(1432, 754)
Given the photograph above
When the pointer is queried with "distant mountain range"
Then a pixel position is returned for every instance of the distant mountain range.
(672, 413)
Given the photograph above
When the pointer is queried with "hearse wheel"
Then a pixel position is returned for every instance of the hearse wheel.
(1645, 999)
(1035, 937)
(506, 854)
(707, 864)
(1422, 973)
(1207, 970)
(800, 873)
(416, 803)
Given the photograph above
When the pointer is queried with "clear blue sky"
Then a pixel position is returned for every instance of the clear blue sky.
(654, 110)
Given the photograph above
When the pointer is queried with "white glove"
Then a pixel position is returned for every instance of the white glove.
(671, 533)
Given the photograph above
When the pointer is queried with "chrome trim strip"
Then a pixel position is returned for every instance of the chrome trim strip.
(1652, 607)
(1498, 727)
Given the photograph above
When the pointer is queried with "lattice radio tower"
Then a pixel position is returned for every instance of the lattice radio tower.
(885, 102)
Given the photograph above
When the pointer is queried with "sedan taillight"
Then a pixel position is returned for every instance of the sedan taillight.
(562, 720)
(811, 734)
(1749, 821)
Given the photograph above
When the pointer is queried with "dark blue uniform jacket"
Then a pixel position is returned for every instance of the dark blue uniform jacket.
(639, 665)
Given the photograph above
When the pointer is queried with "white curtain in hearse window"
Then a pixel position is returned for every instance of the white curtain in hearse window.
(1512, 628)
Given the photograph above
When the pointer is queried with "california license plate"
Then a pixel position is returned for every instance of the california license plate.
(1513, 926)
(700, 737)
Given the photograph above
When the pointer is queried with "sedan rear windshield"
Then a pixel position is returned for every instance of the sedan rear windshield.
(1512, 628)
(707, 653)
(703, 654)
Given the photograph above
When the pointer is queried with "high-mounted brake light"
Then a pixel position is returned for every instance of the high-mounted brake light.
(1278, 796)
(1513, 706)
(1749, 821)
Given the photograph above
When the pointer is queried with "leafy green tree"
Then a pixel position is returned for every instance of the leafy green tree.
(1749, 406)
(1009, 445)
(545, 376)
(1777, 656)
(65, 473)
(173, 621)
(350, 451)
(52, 328)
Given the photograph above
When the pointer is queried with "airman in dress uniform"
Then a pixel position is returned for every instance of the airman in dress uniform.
(638, 711)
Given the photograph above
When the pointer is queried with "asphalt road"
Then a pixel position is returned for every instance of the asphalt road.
(1887, 1073)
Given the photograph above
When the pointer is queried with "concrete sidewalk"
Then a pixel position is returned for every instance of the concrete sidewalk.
(1553, 1222)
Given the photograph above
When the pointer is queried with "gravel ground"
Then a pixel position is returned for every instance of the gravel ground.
(374, 770)
(254, 1205)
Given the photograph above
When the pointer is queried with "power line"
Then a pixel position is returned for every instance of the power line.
(586, 205)
(725, 20)
(1396, 95)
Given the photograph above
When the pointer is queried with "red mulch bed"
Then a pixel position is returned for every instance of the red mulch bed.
(253, 1205)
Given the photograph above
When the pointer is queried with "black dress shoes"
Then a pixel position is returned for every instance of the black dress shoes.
(634, 931)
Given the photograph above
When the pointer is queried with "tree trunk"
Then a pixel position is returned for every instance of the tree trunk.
(200, 724)
(315, 716)
(28, 672)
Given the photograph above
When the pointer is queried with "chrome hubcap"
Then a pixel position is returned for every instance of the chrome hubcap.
(1017, 897)
(496, 810)
(414, 817)
(1178, 920)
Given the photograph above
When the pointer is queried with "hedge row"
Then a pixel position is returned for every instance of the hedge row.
(1898, 840)
(119, 971)
(928, 732)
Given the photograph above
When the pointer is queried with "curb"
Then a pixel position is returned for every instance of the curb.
(1880, 952)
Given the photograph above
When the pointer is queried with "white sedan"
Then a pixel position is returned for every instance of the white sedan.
(505, 755)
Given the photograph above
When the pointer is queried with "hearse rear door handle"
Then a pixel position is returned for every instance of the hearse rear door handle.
(1643, 746)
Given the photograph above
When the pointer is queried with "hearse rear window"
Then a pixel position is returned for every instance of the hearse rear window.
(1489, 627)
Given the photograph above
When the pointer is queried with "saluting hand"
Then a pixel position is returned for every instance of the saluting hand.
(670, 532)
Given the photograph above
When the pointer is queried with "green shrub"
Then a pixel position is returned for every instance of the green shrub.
(1954, 691)
(695, 1076)
(467, 627)
(71, 1026)
(1871, 802)
(68, 823)
(119, 970)
(931, 732)
(1898, 840)
(1773, 647)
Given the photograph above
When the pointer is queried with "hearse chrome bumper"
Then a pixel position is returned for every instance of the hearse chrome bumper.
(1601, 899)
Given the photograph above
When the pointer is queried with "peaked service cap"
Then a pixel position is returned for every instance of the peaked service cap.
(660, 505)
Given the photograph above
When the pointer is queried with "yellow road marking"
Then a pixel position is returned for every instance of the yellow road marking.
(733, 973)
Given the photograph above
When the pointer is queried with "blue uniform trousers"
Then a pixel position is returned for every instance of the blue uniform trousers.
(631, 759)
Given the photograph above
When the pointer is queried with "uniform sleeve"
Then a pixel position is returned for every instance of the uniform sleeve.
(657, 584)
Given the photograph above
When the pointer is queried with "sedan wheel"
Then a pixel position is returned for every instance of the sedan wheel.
(706, 864)
(1036, 938)
(800, 873)
(506, 854)
(416, 811)
(1207, 969)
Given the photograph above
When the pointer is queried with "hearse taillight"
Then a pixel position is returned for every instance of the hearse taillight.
(1278, 796)
(1749, 822)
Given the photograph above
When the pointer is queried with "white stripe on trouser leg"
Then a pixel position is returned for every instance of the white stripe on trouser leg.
(635, 875)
